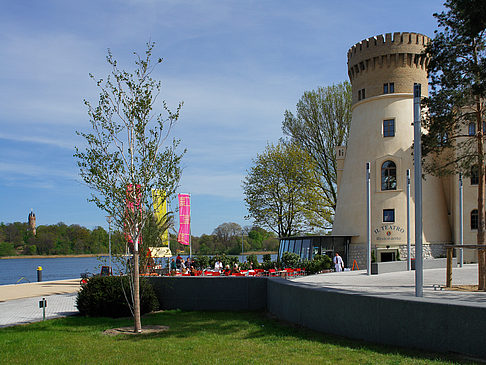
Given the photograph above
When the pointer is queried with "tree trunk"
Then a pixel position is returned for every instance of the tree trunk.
(136, 292)
(481, 223)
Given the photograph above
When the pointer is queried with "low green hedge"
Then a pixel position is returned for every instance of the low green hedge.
(106, 296)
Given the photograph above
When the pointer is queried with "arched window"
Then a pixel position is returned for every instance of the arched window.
(474, 219)
(388, 176)
(472, 129)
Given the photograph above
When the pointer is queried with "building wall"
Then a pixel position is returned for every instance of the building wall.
(373, 62)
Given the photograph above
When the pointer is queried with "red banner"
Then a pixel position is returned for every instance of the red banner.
(133, 201)
(184, 236)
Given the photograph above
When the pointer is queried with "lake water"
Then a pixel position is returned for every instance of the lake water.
(24, 270)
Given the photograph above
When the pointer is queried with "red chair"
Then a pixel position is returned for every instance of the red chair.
(290, 272)
(272, 272)
(237, 274)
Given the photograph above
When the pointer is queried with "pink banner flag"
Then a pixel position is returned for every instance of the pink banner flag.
(184, 235)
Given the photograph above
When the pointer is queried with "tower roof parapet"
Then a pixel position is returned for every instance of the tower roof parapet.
(382, 58)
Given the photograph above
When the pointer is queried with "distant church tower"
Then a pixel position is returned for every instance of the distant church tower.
(32, 221)
(383, 70)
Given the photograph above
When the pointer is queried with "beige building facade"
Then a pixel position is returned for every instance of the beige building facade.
(383, 70)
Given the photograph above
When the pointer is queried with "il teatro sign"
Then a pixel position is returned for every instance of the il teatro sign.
(389, 233)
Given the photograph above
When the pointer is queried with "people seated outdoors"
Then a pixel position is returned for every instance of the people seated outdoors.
(179, 259)
(227, 270)
(188, 263)
(218, 266)
(173, 266)
(235, 270)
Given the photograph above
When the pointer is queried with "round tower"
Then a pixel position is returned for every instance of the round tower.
(383, 70)
(32, 222)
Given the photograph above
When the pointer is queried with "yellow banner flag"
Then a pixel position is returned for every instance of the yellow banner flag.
(160, 212)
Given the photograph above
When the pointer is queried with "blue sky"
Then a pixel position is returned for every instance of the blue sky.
(237, 65)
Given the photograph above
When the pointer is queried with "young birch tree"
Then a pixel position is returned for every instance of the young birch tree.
(455, 109)
(128, 152)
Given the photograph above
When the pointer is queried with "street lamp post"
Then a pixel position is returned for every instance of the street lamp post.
(109, 219)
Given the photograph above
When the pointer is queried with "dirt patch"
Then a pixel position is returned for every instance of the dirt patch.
(129, 330)
(471, 288)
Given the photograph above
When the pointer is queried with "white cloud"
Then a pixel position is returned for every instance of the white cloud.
(26, 169)
(226, 186)
(57, 142)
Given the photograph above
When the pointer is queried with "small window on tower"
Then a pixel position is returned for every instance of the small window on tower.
(392, 87)
(474, 175)
(385, 88)
(474, 219)
(359, 94)
(389, 215)
(363, 94)
(472, 129)
(389, 128)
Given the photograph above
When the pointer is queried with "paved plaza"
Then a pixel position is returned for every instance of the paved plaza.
(402, 284)
(26, 310)
(19, 303)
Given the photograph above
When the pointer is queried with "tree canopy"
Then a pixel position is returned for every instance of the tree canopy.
(321, 124)
(455, 110)
(281, 191)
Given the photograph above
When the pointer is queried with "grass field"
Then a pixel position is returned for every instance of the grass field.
(193, 338)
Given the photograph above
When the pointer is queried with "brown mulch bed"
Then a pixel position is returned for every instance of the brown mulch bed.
(129, 330)
(471, 288)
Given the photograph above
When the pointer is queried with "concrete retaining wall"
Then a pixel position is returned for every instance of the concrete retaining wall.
(407, 321)
(400, 321)
(215, 293)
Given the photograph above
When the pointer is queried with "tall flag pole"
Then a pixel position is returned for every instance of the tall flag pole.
(184, 236)
(368, 217)
(417, 159)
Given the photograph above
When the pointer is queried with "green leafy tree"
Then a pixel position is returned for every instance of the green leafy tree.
(7, 249)
(280, 188)
(455, 109)
(321, 124)
(128, 152)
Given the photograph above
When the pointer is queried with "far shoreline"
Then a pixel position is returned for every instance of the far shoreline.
(106, 254)
(52, 256)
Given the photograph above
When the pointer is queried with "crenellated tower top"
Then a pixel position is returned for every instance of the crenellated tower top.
(395, 59)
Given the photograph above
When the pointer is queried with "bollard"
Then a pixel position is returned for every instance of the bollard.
(39, 273)
(43, 305)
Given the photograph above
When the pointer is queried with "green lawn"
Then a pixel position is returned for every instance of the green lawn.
(193, 338)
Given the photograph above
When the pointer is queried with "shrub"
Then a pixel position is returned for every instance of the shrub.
(201, 262)
(267, 257)
(254, 261)
(106, 296)
(317, 264)
(290, 260)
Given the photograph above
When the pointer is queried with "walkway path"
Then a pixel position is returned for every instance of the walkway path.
(402, 283)
(20, 303)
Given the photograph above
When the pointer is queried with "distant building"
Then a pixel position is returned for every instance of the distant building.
(32, 222)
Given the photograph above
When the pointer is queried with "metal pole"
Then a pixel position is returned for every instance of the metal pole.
(368, 217)
(109, 218)
(461, 222)
(242, 244)
(417, 156)
(409, 258)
